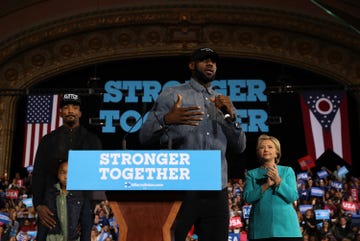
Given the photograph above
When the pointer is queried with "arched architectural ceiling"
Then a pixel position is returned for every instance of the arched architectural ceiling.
(298, 34)
(317, 44)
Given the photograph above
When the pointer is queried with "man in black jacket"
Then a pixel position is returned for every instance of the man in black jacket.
(54, 147)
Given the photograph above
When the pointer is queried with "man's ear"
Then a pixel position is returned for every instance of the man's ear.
(61, 113)
(192, 65)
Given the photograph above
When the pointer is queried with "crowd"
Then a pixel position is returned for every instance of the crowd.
(328, 209)
(18, 218)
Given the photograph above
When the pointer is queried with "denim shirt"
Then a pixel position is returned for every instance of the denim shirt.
(212, 133)
(78, 213)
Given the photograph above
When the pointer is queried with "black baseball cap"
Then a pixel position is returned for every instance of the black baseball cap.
(201, 54)
(70, 99)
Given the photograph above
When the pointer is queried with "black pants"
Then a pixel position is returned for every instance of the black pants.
(278, 239)
(41, 231)
(208, 211)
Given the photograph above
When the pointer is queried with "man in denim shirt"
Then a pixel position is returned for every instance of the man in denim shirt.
(192, 116)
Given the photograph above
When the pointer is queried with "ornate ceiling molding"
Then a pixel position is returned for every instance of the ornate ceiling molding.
(54, 47)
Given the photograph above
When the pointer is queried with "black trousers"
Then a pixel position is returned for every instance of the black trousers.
(208, 211)
(277, 239)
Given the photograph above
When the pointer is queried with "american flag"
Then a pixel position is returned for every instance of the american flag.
(326, 125)
(42, 116)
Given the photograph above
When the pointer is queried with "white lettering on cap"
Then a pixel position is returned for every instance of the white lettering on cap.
(206, 49)
(71, 97)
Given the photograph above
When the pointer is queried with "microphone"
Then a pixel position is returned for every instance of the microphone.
(169, 139)
(224, 110)
(123, 143)
(169, 146)
(141, 118)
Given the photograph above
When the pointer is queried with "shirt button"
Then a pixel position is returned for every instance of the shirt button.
(207, 133)
(207, 115)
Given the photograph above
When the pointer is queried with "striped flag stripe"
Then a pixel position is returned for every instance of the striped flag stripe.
(325, 119)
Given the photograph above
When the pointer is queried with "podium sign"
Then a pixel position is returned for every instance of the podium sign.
(129, 170)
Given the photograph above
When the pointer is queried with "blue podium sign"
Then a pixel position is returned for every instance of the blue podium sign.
(144, 170)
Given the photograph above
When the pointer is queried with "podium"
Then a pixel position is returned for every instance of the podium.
(145, 215)
(145, 188)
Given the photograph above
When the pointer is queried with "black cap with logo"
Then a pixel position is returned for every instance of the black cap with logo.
(70, 99)
(201, 54)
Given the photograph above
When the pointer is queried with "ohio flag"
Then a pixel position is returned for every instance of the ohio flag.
(326, 126)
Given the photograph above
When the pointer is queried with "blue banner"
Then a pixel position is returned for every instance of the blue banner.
(144, 170)
(302, 176)
(337, 185)
(234, 237)
(321, 214)
(246, 211)
(322, 174)
(317, 192)
(355, 220)
(28, 202)
(4, 218)
(304, 207)
(343, 171)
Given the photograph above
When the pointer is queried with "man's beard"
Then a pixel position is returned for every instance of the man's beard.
(202, 78)
(70, 122)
